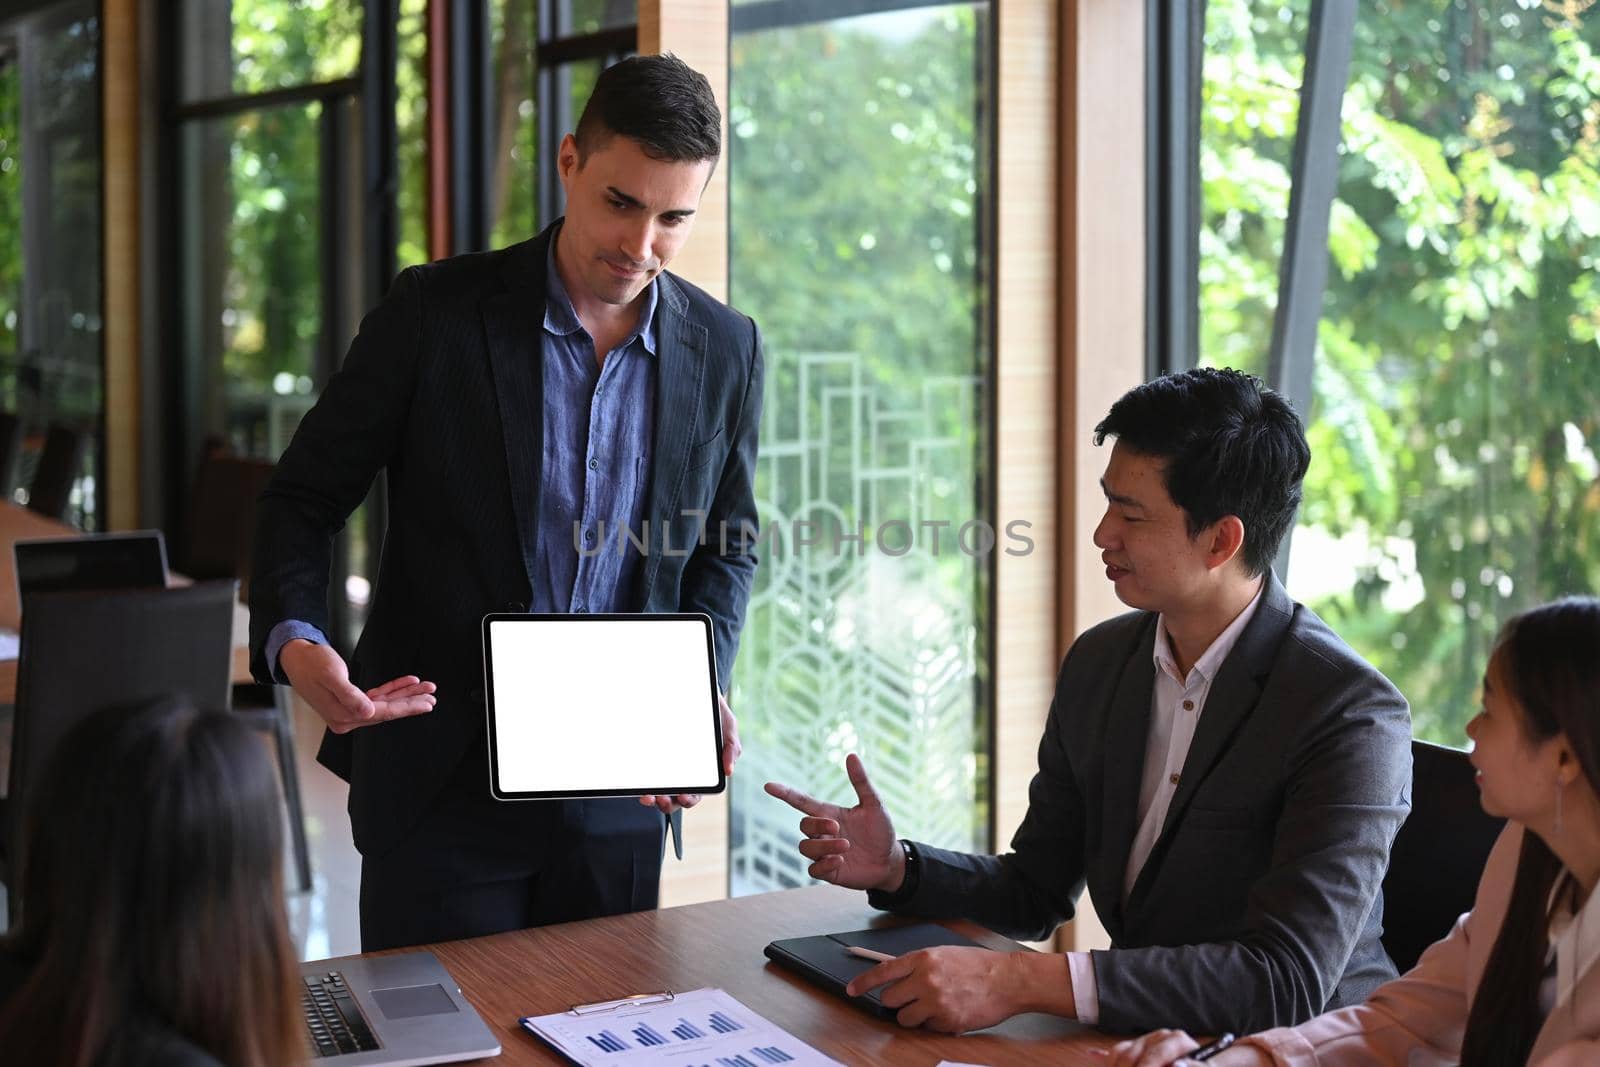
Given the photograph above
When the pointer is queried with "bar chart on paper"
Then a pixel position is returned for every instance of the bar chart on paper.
(705, 1028)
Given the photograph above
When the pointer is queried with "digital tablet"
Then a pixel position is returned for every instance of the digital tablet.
(601, 705)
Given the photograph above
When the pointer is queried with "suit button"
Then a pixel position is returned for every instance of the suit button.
(514, 607)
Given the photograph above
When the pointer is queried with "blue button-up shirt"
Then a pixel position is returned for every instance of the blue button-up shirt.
(598, 428)
(599, 425)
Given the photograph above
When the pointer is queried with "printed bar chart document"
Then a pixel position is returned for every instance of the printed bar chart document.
(705, 1028)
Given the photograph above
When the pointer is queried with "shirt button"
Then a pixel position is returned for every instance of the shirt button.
(594, 464)
(599, 389)
(1188, 705)
(1173, 779)
(588, 535)
(580, 609)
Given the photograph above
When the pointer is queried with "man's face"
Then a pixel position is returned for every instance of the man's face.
(627, 216)
(1144, 538)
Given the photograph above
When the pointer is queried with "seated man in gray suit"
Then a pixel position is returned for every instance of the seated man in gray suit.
(1222, 771)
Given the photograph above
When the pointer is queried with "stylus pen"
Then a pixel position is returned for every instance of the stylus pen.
(869, 954)
(1205, 1052)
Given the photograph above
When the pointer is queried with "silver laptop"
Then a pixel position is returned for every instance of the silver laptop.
(390, 1010)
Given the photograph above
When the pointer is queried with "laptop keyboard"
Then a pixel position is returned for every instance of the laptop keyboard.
(334, 1021)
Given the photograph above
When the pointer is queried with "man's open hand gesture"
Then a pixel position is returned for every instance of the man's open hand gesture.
(853, 847)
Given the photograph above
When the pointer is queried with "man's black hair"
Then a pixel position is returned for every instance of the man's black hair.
(658, 101)
(1228, 446)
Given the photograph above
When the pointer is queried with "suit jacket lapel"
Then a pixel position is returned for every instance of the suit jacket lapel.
(512, 321)
(1232, 698)
(1127, 733)
(680, 384)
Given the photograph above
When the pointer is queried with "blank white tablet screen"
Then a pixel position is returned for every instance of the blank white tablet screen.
(621, 706)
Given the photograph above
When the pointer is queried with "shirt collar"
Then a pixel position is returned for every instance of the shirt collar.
(1212, 658)
(1577, 939)
(560, 318)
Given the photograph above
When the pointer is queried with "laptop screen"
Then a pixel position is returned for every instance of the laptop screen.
(105, 561)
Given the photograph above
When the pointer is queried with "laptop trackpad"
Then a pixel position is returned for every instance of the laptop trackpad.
(405, 1002)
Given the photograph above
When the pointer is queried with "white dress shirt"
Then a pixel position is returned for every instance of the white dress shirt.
(1574, 942)
(1175, 707)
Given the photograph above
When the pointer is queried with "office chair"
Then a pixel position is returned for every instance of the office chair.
(83, 651)
(10, 451)
(60, 463)
(218, 542)
(1438, 856)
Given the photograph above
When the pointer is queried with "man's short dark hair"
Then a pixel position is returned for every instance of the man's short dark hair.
(658, 101)
(1229, 446)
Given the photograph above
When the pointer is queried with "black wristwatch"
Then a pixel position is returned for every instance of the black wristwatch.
(881, 898)
(913, 874)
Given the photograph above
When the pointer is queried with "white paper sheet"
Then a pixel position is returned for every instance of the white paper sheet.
(703, 1028)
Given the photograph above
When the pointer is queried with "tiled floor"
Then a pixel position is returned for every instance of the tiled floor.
(323, 922)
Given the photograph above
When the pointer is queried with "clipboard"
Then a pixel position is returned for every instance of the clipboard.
(629, 1001)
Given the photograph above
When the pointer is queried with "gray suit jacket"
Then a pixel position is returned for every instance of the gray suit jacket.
(1260, 904)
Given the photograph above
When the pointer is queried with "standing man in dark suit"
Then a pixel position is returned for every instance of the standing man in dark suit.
(1223, 772)
(535, 409)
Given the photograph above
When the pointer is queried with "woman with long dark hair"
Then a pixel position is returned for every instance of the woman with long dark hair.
(152, 926)
(1517, 980)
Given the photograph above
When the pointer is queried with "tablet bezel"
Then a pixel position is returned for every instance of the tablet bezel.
(579, 619)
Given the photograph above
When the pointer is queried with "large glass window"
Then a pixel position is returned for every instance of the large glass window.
(50, 240)
(254, 267)
(1456, 407)
(411, 132)
(270, 230)
(858, 164)
(253, 46)
(514, 179)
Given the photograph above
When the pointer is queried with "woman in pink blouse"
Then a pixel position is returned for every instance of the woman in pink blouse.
(1516, 980)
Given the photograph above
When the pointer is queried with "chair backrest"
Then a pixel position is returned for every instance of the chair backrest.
(84, 651)
(221, 530)
(60, 463)
(10, 451)
(1438, 855)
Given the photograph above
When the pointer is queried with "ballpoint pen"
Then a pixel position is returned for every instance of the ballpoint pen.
(1205, 1052)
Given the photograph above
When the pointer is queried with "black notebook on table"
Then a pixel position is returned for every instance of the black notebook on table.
(823, 959)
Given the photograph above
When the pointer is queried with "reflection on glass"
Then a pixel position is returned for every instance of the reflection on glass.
(235, 47)
(514, 184)
(591, 16)
(411, 133)
(254, 293)
(50, 238)
(1457, 393)
(857, 174)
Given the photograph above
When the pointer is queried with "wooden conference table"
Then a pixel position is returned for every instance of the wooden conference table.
(20, 524)
(549, 969)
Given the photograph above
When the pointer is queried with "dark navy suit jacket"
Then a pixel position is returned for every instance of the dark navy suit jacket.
(441, 389)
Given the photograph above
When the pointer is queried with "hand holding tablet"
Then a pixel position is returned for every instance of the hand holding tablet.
(731, 749)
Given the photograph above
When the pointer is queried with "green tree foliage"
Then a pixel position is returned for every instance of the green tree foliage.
(271, 200)
(858, 181)
(1457, 391)
(10, 205)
